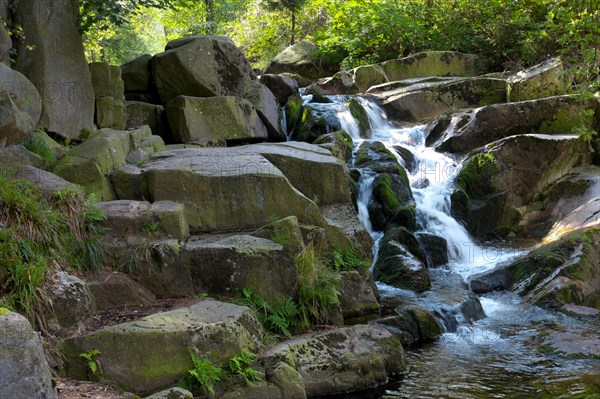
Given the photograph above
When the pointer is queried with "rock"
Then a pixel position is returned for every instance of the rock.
(309, 122)
(434, 63)
(502, 178)
(48, 182)
(401, 261)
(369, 75)
(409, 160)
(201, 66)
(152, 353)
(73, 304)
(340, 83)
(392, 203)
(375, 156)
(110, 113)
(412, 325)
(154, 116)
(358, 295)
(342, 360)
(285, 232)
(282, 87)
(223, 268)
(214, 119)
(258, 390)
(339, 143)
(360, 116)
(435, 247)
(5, 44)
(267, 108)
(22, 92)
(250, 188)
(90, 163)
(555, 274)
(172, 393)
(57, 65)
(15, 125)
(300, 59)
(136, 74)
(18, 155)
(419, 105)
(135, 217)
(106, 80)
(288, 380)
(542, 80)
(24, 371)
(116, 290)
(471, 129)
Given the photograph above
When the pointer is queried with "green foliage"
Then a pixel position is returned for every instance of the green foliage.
(348, 260)
(90, 359)
(317, 287)
(241, 365)
(40, 147)
(279, 318)
(39, 233)
(204, 374)
(150, 227)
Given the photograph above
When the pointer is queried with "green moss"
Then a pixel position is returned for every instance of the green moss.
(4, 311)
(360, 115)
(475, 178)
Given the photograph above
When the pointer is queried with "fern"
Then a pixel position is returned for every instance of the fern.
(240, 365)
(90, 359)
(204, 374)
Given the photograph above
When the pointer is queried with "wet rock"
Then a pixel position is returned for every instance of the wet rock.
(562, 272)
(410, 162)
(375, 156)
(500, 179)
(152, 353)
(342, 360)
(412, 325)
(401, 261)
(542, 80)
(339, 143)
(392, 203)
(24, 371)
(358, 295)
(435, 247)
(471, 129)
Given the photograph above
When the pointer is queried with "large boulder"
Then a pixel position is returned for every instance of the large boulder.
(342, 360)
(222, 188)
(471, 129)
(542, 80)
(106, 80)
(416, 104)
(412, 325)
(267, 107)
(89, 164)
(498, 181)
(282, 87)
(391, 204)
(52, 57)
(153, 353)
(401, 262)
(214, 120)
(358, 295)
(201, 66)
(24, 371)
(340, 83)
(5, 43)
(434, 63)
(136, 74)
(142, 113)
(368, 76)
(224, 267)
(21, 106)
(563, 272)
(117, 290)
(300, 59)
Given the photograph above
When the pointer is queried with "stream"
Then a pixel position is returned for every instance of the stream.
(498, 356)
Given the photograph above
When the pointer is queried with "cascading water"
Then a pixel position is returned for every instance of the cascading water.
(492, 357)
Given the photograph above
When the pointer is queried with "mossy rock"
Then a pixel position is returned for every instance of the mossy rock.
(360, 115)
(435, 247)
(377, 157)
(401, 261)
(392, 203)
(563, 272)
(339, 143)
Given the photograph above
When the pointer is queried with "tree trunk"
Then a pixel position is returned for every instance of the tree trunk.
(293, 27)
(210, 16)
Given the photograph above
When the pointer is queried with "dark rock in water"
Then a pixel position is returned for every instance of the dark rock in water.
(375, 156)
(340, 83)
(410, 162)
(392, 203)
(435, 247)
(471, 129)
(436, 129)
(57, 67)
(321, 99)
(412, 325)
(501, 180)
(307, 123)
(360, 115)
(401, 261)
(339, 143)
(283, 87)
(563, 272)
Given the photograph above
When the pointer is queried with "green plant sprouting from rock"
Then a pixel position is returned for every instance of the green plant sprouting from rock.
(90, 360)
